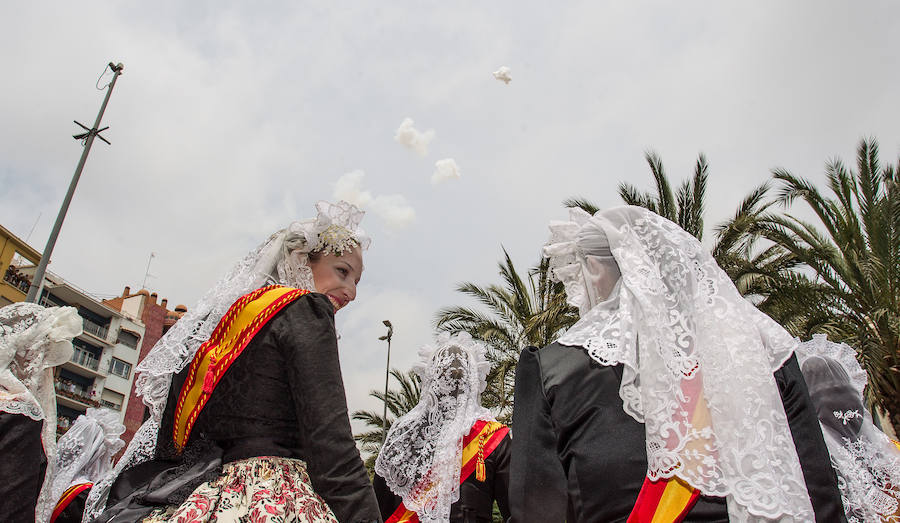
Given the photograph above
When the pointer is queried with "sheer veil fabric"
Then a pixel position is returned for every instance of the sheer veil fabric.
(282, 259)
(422, 454)
(865, 460)
(85, 452)
(698, 360)
(33, 340)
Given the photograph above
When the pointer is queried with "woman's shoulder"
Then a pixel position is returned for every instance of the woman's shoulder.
(310, 302)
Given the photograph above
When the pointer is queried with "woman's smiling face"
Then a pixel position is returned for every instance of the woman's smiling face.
(337, 276)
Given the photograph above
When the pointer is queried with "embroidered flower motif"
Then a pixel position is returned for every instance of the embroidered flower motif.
(846, 415)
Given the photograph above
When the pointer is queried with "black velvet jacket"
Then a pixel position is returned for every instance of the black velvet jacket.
(22, 467)
(283, 396)
(476, 498)
(578, 457)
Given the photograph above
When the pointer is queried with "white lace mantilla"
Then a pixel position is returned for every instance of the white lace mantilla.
(422, 454)
(698, 367)
(33, 340)
(85, 452)
(283, 260)
(866, 462)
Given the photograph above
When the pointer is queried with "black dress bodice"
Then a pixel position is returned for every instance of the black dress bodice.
(22, 466)
(578, 457)
(283, 396)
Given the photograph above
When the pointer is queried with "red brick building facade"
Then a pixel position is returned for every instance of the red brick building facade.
(157, 319)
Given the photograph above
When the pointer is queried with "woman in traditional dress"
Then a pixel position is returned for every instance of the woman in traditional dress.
(672, 398)
(248, 416)
(446, 459)
(866, 461)
(84, 455)
(33, 340)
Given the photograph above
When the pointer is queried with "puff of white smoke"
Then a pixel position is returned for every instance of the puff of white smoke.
(396, 212)
(444, 170)
(503, 74)
(393, 209)
(411, 138)
(349, 187)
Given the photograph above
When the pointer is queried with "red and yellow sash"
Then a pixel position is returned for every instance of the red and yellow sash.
(70, 494)
(663, 501)
(232, 334)
(478, 444)
(670, 500)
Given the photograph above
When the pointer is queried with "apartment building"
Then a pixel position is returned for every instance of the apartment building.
(14, 252)
(101, 370)
(157, 319)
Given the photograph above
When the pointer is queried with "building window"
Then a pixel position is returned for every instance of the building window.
(112, 400)
(119, 368)
(127, 338)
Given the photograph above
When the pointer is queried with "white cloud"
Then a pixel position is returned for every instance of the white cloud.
(349, 188)
(503, 74)
(393, 209)
(396, 212)
(412, 138)
(445, 169)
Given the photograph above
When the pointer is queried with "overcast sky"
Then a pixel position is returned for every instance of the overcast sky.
(233, 118)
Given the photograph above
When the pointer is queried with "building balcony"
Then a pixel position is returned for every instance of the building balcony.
(100, 331)
(16, 279)
(85, 359)
(74, 395)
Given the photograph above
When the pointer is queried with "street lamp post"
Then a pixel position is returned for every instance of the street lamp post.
(37, 281)
(387, 373)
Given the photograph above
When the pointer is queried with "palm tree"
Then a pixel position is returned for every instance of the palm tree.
(845, 274)
(520, 312)
(399, 402)
(684, 207)
(736, 249)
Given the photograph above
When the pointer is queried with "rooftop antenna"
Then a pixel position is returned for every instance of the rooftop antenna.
(37, 283)
(147, 272)
(33, 226)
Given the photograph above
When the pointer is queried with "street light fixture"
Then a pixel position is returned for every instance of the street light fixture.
(387, 373)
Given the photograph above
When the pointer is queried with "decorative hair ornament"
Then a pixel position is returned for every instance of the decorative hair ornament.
(422, 454)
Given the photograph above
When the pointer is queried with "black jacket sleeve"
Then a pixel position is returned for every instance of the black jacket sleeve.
(314, 372)
(815, 462)
(500, 466)
(537, 490)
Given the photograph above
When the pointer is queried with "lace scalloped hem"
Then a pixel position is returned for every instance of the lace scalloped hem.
(260, 489)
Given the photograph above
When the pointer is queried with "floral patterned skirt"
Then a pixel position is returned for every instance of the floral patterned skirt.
(261, 489)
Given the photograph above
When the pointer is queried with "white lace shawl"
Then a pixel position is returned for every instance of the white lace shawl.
(33, 340)
(282, 259)
(865, 460)
(421, 458)
(698, 363)
(85, 452)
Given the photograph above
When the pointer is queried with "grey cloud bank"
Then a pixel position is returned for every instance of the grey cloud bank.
(230, 121)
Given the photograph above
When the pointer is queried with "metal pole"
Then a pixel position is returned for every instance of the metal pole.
(147, 272)
(37, 282)
(387, 373)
